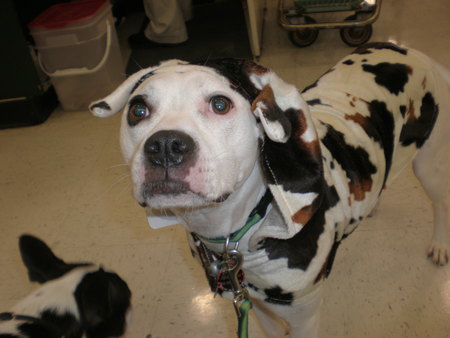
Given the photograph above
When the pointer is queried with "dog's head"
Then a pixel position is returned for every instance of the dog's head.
(192, 133)
(74, 299)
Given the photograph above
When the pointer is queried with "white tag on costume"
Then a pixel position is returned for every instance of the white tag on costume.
(158, 220)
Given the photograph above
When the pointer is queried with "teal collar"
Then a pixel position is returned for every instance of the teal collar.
(257, 214)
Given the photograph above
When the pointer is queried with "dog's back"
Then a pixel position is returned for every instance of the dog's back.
(375, 111)
(391, 94)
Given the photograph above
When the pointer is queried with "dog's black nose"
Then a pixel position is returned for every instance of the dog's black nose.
(169, 148)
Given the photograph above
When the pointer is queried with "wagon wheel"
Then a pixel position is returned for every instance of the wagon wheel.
(355, 36)
(306, 36)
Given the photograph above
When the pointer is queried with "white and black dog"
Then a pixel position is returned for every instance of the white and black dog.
(234, 152)
(75, 300)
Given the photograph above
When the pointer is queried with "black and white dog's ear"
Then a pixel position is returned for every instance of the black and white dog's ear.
(290, 155)
(270, 96)
(275, 99)
(41, 262)
(114, 102)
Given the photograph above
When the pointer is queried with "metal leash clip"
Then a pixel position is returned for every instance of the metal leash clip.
(232, 264)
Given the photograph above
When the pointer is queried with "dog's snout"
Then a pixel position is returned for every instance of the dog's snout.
(169, 148)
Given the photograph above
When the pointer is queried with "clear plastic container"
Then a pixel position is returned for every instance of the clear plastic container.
(78, 48)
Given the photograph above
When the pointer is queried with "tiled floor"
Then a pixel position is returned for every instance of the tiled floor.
(65, 181)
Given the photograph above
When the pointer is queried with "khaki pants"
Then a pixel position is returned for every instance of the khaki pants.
(167, 20)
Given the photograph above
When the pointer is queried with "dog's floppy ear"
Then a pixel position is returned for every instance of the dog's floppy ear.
(269, 96)
(290, 155)
(114, 102)
(41, 262)
(274, 100)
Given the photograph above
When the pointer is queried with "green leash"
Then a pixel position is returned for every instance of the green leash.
(232, 263)
(244, 310)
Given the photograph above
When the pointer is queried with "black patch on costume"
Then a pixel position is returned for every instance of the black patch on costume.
(331, 257)
(364, 49)
(313, 102)
(310, 87)
(417, 130)
(327, 267)
(344, 236)
(273, 112)
(354, 161)
(286, 164)
(403, 110)
(302, 247)
(6, 335)
(381, 130)
(142, 79)
(277, 296)
(348, 62)
(101, 105)
(315, 83)
(392, 76)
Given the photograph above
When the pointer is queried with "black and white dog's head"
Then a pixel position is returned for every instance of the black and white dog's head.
(75, 300)
(192, 133)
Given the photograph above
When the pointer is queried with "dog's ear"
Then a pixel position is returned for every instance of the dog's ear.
(273, 103)
(269, 95)
(290, 155)
(41, 262)
(114, 102)
(103, 300)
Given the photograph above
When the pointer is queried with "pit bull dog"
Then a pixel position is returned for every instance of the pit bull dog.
(241, 157)
(75, 300)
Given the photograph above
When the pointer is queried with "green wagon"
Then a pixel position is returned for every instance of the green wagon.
(353, 18)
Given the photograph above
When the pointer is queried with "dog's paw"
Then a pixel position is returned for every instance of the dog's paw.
(438, 253)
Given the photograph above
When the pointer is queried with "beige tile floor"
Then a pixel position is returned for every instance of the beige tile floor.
(65, 182)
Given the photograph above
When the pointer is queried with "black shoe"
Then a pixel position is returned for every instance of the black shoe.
(139, 41)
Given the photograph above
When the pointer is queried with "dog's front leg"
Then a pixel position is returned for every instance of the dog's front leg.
(272, 325)
(300, 320)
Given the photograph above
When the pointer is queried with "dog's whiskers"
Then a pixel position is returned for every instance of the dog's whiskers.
(119, 165)
(118, 181)
(123, 189)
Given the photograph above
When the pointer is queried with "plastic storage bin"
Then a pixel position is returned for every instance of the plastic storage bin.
(78, 48)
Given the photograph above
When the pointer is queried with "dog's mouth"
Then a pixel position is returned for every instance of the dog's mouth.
(165, 187)
(168, 193)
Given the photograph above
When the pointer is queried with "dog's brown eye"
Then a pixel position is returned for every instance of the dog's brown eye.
(138, 111)
(220, 104)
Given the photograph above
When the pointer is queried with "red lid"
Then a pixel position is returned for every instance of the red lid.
(64, 14)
